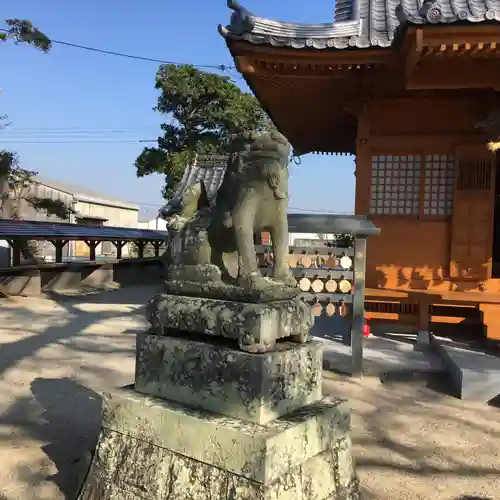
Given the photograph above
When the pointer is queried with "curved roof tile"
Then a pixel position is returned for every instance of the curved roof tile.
(207, 168)
(357, 23)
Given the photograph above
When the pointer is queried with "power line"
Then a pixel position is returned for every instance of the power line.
(51, 136)
(109, 141)
(43, 130)
(220, 67)
(289, 208)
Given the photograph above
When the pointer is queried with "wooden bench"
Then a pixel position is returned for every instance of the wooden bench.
(475, 375)
(422, 308)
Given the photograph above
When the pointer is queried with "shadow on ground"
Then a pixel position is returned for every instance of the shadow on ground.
(66, 416)
(414, 442)
(411, 440)
(69, 441)
(52, 350)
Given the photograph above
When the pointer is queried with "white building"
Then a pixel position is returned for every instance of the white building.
(149, 221)
(91, 208)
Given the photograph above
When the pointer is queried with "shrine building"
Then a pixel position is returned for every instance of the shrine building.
(407, 88)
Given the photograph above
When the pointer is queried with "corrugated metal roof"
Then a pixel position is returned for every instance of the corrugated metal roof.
(207, 168)
(21, 229)
(357, 23)
(84, 194)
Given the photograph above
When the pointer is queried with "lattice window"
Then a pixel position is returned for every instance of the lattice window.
(395, 186)
(474, 175)
(438, 185)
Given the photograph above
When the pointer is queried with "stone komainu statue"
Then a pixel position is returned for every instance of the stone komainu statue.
(213, 241)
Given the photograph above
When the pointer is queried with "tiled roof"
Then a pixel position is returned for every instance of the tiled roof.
(449, 11)
(39, 230)
(207, 168)
(357, 23)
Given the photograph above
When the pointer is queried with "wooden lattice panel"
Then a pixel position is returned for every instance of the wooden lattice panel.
(474, 175)
(438, 185)
(395, 188)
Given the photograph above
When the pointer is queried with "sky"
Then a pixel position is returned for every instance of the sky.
(79, 115)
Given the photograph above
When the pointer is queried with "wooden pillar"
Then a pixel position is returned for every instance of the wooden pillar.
(119, 246)
(157, 245)
(16, 252)
(140, 248)
(92, 247)
(59, 245)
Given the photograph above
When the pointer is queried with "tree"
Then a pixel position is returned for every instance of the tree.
(15, 194)
(204, 110)
(16, 182)
(22, 31)
(15, 189)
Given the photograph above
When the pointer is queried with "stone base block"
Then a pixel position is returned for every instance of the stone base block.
(205, 280)
(155, 450)
(255, 327)
(212, 376)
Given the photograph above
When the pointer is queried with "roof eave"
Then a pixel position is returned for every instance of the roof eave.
(257, 30)
(104, 202)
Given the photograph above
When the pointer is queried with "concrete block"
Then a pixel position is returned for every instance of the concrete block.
(211, 375)
(423, 338)
(149, 448)
(475, 375)
(65, 279)
(423, 341)
(27, 283)
(97, 276)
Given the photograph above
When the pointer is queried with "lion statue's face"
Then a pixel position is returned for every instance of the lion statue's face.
(257, 144)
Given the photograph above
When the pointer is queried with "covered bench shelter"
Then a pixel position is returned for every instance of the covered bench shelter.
(33, 278)
(60, 233)
(404, 87)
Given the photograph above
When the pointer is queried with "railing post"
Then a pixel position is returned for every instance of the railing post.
(358, 305)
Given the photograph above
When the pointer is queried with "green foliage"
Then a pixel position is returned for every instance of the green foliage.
(22, 31)
(204, 110)
(51, 207)
(15, 184)
(344, 240)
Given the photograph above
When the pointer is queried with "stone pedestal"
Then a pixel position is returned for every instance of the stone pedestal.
(158, 450)
(207, 420)
(213, 376)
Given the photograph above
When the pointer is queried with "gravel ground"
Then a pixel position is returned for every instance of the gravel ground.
(412, 441)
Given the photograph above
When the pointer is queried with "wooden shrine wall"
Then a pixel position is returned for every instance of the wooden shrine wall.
(420, 145)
